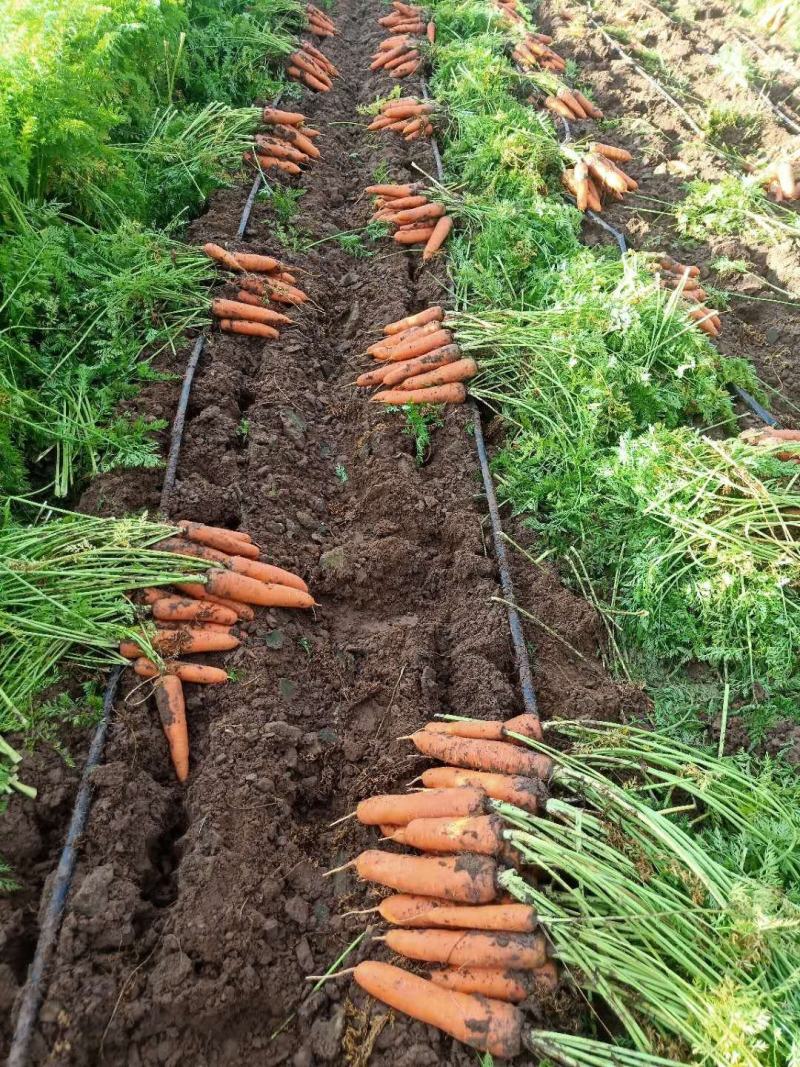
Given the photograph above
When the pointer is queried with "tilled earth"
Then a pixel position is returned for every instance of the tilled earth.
(197, 914)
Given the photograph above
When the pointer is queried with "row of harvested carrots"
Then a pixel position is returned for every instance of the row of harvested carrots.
(417, 220)
(596, 175)
(288, 145)
(203, 618)
(261, 280)
(399, 55)
(683, 279)
(447, 908)
(408, 116)
(312, 68)
(421, 364)
(319, 23)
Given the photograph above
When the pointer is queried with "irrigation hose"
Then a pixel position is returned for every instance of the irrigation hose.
(176, 433)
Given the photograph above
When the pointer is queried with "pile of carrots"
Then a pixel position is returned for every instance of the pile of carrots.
(309, 66)
(780, 181)
(447, 909)
(319, 23)
(572, 105)
(534, 51)
(261, 279)
(203, 617)
(596, 175)
(408, 116)
(288, 145)
(417, 220)
(420, 363)
(398, 55)
(683, 278)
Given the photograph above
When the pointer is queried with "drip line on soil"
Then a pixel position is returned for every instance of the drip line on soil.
(34, 989)
(257, 183)
(33, 993)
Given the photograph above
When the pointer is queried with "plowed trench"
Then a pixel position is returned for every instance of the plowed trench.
(196, 915)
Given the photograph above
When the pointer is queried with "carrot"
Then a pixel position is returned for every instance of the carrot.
(595, 203)
(410, 911)
(279, 150)
(307, 79)
(606, 172)
(414, 235)
(373, 377)
(409, 369)
(199, 592)
(250, 261)
(401, 202)
(229, 541)
(581, 178)
(572, 102)
(270, 162)
(387, 45)
(508, 985)
(299, 140)
(487, 1025)
(479, 755)
(313, 51)
(419, 214)
(187, 672)
(248, 329)
(438, 394)
(437, 238)
(489, 730)
(172, 712)
(271, 116)
(479, 834)
(189, 627)
(430, 803)
(415, 345)
(784, 175)
(402, 60)
(219, 253)
(387, 344)
(239, 587)
(431, 314)
(592, 109)
(458, 371)
(470, 948)
(407, 111)
(406, 69)
(249, 298)
(308, 65)
(266, 572)
(430, 31)
(619, 155)
(558, 107)
(184, 609)
(233, 309)
(458, 879)
(386, 57)
(285, 294)
(182, 642)
(391, 190)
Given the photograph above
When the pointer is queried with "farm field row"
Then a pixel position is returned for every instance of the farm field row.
(653, 552)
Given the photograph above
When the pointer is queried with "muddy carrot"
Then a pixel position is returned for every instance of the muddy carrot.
(307, 79)
(402, 808)
(419, 214)
(279, 150)
(373, 377)
(391, 190)
(199, 592)
(458, 371)
(266, 572)
(222, 256)
(418, 345)
(487, 729)
(229, 541)
(233, 309)
(487, 1025)
(478, 755)
(439, 394)
(272, 162)
(437, 238)
(249, 298)
(183, 642)
(479, 834)
(234, 586)
(187, 672)
(430, 31)
(402, 909)
(285, 294)
(458, 879)
(320, 57)
(307, 64)
(299, 140)
(250, 261)
(470, 948)
(410, 368)
(509, 985)
(248, 329)
(271, 116)
(184, 609)
(431, 314)
(405, 69)
(171, 706)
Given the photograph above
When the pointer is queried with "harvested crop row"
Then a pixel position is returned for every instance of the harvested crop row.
(417, 219)
(408, 116)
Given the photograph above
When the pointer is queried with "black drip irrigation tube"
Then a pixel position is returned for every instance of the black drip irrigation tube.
(36, 981)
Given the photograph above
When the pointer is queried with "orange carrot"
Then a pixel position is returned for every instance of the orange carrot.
(430, 31)
(266, 572)
(509, 985)
(250, 261)
(430, 803)
(239, 587)
(432, 314)
(405, 69)
(591, 109)
(438, 394)
(619, 155)
(271, 162)
(219, 253)
(374, 377)
(391, 190)
(557, 106)
(605, 172)
(187, 672)
(417, 345)
(400, 202)
(249, 298)
(479, 755)
(487, 1025)
(572, 102)
(459, 879)
(410, 369)
(232, 309)
(285, 294)
(229, 541)
(387, 344)
(470, 948)
(595, 203)
(402, 909)
(388, 56)
(419, 214)
(184, 609)
(479, 834)
(437, 238)
(248, 329)
(182, 642)
(581, 179)
(414, 235)
(271, 116)
(307, 79)
(280, 150)
(172, 712)
(299, 140)
(489, 730)
(458, 371)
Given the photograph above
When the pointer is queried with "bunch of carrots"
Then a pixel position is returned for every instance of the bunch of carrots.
(418, 221)
(572, 105)
(780, 181)
(202, 619)
(447, 909)
(261, 279)
(408, 115)
(309, 66)
(421, 363)
(682, 278)
(595, 175)
(319, 23)
(398, 54)
(288, 144)
(533, 52)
